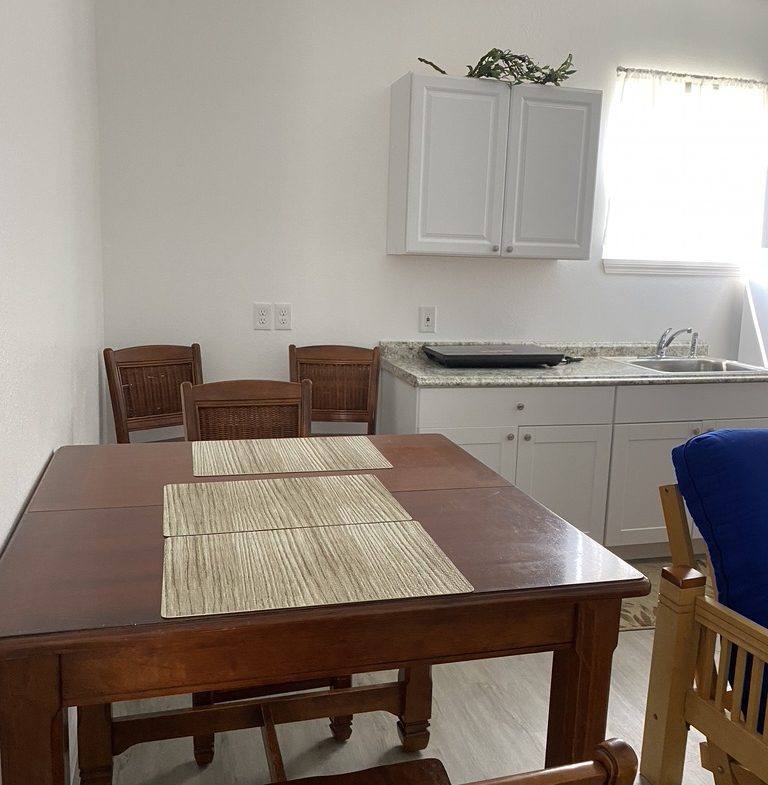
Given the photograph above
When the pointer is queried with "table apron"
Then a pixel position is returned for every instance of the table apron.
(179, 661)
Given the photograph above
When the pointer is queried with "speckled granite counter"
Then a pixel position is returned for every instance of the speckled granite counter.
(602, 365)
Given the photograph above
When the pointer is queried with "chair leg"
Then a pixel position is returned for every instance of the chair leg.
(203, 745)
(673, 663)
(341, 726)
(94, 744)
(413, 725)
(272, 748)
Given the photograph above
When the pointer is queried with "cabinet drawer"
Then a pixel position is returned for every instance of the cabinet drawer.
(676, 402)
(499, 406)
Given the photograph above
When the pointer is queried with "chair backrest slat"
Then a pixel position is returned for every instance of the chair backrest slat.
(345, 381)
(145, 385)
(246, 409)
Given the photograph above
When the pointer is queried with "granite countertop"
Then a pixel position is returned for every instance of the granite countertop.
(603, 364)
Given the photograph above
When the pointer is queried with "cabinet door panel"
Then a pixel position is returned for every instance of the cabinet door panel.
(640, 463)
(566, 469)
(456, 168)
(495, 447)
(551, 170)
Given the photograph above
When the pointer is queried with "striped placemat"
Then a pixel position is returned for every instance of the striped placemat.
(278, 456)
(281, 503)
(291, 568)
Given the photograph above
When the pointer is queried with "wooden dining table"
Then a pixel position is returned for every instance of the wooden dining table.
(80, 595)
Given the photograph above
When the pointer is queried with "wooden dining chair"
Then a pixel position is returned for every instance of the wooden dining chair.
(614, 763)
(709, 668)
(253, 409)
(345, 381)
(144, 385)
(246, 409)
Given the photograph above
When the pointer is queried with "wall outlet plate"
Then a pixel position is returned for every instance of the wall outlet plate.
(283, 316)
(427, 317)
(262, 316)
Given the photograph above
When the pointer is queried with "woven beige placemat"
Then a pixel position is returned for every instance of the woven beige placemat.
(277, 456)
(291, 568)
(281, 503)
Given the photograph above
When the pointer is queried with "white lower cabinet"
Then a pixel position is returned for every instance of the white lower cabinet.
(495, 447)
(595, 455)
(750, 424)
(641, 461)
(565, 467)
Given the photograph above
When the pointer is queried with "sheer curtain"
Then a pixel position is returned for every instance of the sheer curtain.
(686, 162)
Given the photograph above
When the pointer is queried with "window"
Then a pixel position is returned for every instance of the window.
(686, 162)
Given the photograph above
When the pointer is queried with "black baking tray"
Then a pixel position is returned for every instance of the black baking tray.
(508, 355)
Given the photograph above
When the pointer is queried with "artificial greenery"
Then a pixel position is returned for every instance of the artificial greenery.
(505, 65)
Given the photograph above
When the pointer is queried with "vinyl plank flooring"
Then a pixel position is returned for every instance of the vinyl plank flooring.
(489, 719)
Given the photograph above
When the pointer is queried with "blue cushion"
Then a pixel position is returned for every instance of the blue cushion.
(723, 477)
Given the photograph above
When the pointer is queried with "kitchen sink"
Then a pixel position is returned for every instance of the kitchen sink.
(695, 365)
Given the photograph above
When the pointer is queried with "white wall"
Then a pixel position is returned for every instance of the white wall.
(244, 158)
(50, 255)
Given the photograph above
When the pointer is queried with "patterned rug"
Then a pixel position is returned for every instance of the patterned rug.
(639, 613)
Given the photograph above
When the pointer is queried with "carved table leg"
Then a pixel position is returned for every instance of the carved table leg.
(413, 725)
(581, 681)
(204, 744)
(341, 726)
(94, 744)
(33, 729)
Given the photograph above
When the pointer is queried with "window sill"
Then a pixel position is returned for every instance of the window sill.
(645, 267)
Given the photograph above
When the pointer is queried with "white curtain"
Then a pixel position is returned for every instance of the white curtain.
(686, 169)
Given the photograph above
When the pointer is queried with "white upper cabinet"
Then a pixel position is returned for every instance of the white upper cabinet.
(449, 144)
(551, 167)
(479, 168)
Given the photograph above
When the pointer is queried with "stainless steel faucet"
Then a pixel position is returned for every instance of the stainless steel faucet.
(666, 339)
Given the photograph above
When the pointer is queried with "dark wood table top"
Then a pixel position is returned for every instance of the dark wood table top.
(96, 561)
(133, 475)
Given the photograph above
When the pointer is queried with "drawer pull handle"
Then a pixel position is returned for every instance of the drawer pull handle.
(510, 249)
(511, 437)
(495, 248)
(527, 437)
(696, 431)
(520, 407)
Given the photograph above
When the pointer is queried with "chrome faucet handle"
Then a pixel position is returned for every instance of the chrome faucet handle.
(661, 345)
(694, 345)
(666, 339)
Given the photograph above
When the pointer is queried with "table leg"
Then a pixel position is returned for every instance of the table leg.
(33, 725)
(413, 725)
(204, 744)
(94, 744)
(581, 681)
(341, 726)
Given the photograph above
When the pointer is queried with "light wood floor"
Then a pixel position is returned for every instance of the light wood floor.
(489, 719)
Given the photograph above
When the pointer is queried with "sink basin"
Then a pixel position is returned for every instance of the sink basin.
(695, 365)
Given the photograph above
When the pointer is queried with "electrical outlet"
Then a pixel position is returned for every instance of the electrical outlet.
(427, 316)
(283, 320)
(262, 316)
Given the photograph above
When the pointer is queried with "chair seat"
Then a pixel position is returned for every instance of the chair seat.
(425, 771)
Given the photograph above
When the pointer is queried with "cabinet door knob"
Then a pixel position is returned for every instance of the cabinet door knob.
(511, 437)
(527, 437)
(696, 431)
(520, 407)
(495, 248)
(510, 249)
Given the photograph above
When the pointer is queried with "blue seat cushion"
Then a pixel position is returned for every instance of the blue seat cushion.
(723, 477)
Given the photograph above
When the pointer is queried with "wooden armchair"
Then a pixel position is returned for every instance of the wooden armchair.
(700, 648)
(144, 385)
(246, 409)
(614, 764)
(345, 381)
